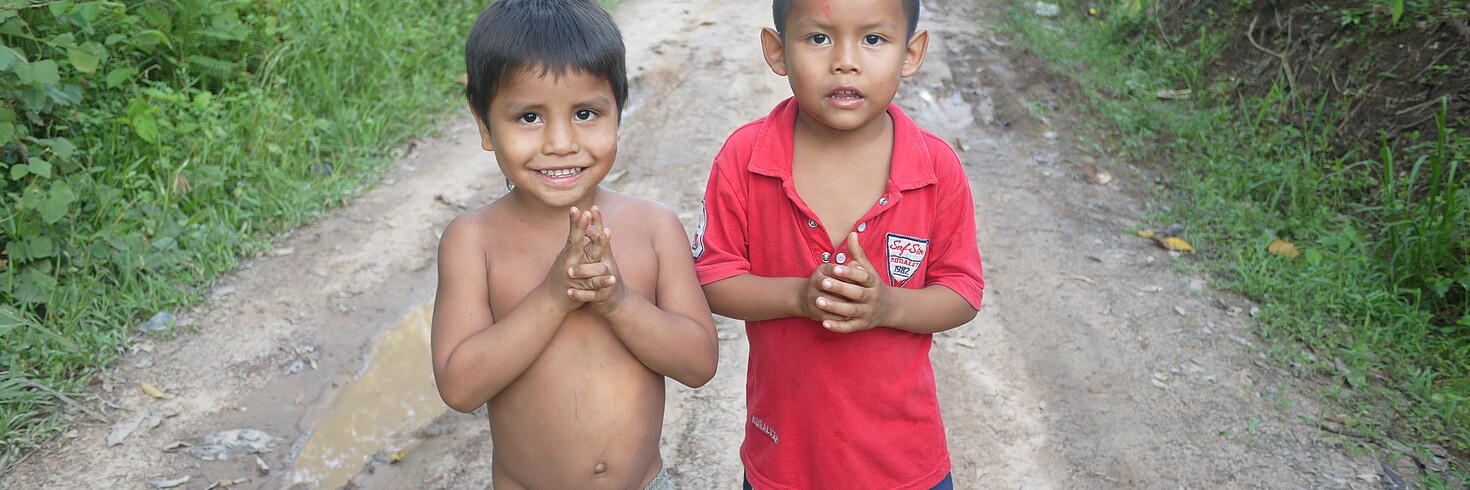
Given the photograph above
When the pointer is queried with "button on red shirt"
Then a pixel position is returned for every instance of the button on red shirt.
(830, 410)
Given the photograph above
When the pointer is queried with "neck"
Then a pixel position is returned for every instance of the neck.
(812, 131)
(538, 210)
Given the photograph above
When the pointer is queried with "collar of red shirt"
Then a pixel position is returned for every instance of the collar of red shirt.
(911, 168)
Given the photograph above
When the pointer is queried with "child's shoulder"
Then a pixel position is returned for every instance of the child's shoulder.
(471, 227)
(633, 206)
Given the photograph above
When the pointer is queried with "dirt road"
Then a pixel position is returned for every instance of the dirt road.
(1093, 363)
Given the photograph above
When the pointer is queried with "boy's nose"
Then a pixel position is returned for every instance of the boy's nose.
(560, 139)
(846, 62)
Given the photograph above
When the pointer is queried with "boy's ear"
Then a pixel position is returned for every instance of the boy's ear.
(774, 50)
(484, 131)
(913, 53)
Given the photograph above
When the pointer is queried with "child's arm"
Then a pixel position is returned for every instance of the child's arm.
(757, 298)
(476, 355)
(675, 336)
(864, 302)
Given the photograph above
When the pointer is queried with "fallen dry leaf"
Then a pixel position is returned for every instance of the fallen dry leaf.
(181, 185)
(1174, 94)
(1096, 176)
(463, 79)
(150, 390)
(1283, 247)
(1146, 233)
(1174, 243)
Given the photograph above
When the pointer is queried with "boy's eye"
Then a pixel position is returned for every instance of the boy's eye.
(529, 118)
(873, 39)
(585, 114)
(818, 38)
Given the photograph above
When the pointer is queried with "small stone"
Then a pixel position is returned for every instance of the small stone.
(161, 322)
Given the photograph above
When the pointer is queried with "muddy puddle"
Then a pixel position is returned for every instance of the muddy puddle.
(377, 414)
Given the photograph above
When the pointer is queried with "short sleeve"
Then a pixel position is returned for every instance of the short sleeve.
(957, 262)
(721, 248)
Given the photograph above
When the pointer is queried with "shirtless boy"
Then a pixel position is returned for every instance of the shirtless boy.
(844, 235)
(563, 304)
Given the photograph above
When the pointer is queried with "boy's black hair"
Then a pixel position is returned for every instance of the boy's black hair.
(554, 36)
(781, 8)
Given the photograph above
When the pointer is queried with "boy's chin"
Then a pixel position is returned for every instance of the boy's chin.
(844, 120)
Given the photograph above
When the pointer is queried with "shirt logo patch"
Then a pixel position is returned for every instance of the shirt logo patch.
(699, 232)
(905, 253)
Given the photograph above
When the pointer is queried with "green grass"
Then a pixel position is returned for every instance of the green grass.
(1377, 303)
(149, 145)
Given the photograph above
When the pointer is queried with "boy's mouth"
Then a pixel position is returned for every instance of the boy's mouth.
(562, 172)
(845, 93)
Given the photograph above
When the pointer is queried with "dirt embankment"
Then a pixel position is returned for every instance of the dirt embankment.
(1093, 364)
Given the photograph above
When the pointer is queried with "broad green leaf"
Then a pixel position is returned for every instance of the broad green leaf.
(23, 71)
(52, 211)
(113, 39)
(64, 94)
(7, 132)
(34, 286)
(62, 147)
(32, 98)
(146, 128)
(61, 192)
(85, 58)
(10, 320)
(1398, 11)
(8, 57)
(59, 8)
(7, 114)
(18, 172)
(41, 247)
(40, 167)
(1313, 256)
(45, 72)
(65, 40)
(120, 75)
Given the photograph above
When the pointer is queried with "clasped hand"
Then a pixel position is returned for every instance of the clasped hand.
(585, 268)
(847, 297)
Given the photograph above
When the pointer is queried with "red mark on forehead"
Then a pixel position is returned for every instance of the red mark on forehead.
(826, 8)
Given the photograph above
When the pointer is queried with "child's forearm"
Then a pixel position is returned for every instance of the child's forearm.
(477, 369)
(755, 298)
(670, 344)
(930, 310)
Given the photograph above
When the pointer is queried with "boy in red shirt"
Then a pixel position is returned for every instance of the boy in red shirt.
(840, 391)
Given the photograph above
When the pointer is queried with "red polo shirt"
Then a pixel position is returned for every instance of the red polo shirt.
(831, 410)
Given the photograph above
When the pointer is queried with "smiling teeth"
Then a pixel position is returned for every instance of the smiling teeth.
(846, 94)
(566, 172)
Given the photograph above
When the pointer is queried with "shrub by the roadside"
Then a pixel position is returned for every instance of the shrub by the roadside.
(1379, 298)
(145, 146)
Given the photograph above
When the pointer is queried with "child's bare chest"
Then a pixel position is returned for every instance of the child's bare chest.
(520, 260)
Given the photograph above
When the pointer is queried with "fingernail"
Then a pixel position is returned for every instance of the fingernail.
(821, 301)
(827, 325)
(826, 283)
(837, 270)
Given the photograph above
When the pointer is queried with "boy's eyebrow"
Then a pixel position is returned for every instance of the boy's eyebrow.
(513, 107)
(598, 101)
(821, 24)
